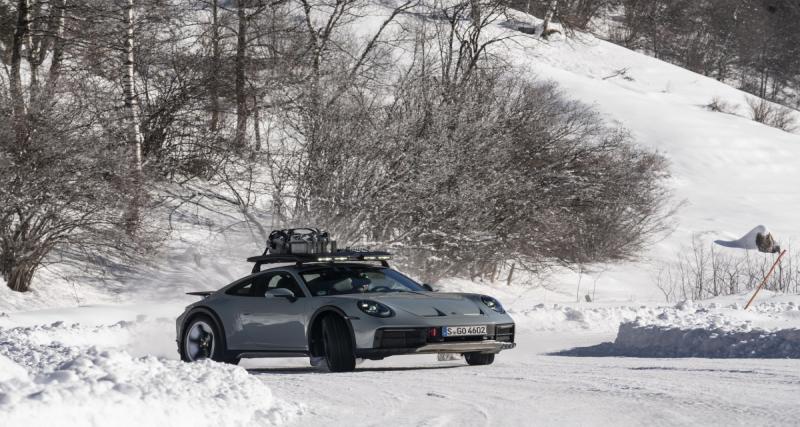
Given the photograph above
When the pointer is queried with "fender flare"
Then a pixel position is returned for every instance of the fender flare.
(329, 309)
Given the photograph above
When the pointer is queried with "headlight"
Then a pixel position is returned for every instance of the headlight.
(493, 304)
(375, 309)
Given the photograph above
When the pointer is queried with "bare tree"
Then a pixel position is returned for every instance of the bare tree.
(487, 166)
(215, 66)
(241, 64)
(135, 137)
(548, 18)
(16, 93)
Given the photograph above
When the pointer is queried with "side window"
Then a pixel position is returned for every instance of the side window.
(286, 281)
(244, 289)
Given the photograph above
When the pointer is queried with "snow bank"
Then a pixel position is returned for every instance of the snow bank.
(639, 340)
(45, 379)
(707, 330)
(11, 371)
(141, 337)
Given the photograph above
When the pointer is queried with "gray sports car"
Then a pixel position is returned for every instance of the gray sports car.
(339, 308)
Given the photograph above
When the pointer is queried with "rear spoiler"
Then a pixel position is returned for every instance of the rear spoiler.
(200, 293)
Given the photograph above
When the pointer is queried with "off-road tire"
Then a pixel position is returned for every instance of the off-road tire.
(478, 359)
(338, 345)
(220, 351)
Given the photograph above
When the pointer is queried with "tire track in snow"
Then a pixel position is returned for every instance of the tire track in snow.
(548, 390)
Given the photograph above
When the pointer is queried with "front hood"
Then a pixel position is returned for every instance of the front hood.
(427, 304)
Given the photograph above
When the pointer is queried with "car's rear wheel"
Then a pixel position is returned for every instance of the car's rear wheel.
(477, 359)
(337, 344)
(202, 340)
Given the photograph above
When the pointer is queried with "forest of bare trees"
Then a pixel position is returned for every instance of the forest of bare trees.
(438, 150)
(751, 44)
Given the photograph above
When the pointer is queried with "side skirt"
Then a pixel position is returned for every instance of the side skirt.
(281, 353)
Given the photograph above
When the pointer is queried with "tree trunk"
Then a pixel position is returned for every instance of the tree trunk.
(17, 272)
(241, 97)
(15, 84)
(256, 123)
(38, 35)
(510, 274)
(58, 47)
(475, 13)
(135, 137)
(548, 18)
(215, 61)
(19, 276)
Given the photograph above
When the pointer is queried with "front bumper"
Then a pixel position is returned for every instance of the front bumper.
(396, 341)
(488, 346)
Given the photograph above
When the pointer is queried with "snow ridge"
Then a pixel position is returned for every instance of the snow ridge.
(706, 330)
(639, 340)
(42, 380)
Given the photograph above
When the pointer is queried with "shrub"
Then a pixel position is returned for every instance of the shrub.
(771, 114)
(461, 179)
(719, 105)
(702, 271)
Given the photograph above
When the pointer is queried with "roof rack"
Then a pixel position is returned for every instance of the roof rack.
(340, 255)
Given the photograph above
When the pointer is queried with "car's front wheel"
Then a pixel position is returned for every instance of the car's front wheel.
(338, 345)
(202, 340)
(477, 359)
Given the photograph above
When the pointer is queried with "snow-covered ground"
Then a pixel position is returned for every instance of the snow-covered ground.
(116, 364)
(98, 349)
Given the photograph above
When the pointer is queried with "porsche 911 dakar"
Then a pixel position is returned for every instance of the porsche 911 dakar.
(337, 306)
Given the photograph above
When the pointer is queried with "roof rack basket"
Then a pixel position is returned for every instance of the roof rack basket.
(342, 255)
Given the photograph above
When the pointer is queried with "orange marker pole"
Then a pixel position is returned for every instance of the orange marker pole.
(765, 279)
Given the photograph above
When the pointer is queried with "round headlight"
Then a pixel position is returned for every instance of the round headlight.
(374, 308)
(493, 304)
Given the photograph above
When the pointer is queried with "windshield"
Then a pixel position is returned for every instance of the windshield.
(354, 279)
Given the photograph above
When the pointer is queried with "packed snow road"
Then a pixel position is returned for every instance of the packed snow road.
(545, 390)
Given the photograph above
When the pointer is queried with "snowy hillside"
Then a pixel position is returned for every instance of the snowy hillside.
(733, 173)
(99, 348)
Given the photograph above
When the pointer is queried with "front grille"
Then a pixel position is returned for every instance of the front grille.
(400, 338)
(417, 337)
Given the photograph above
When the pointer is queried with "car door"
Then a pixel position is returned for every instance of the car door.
(238, 299)
(274, 322)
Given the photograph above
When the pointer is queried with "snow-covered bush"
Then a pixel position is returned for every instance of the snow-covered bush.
(59, 189)
(719, 105)
(498, 167)
(771, 114)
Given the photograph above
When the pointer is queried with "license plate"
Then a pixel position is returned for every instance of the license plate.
(460, 331)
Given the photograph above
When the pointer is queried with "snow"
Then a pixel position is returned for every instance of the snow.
(125, 365)
(550, 390)
(748, 241)
(11, 372)
(98, 348)
(709, 329)
(642, 340)
(57, 369)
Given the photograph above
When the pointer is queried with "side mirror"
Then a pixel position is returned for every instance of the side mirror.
(428, 287)
(281, 293)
